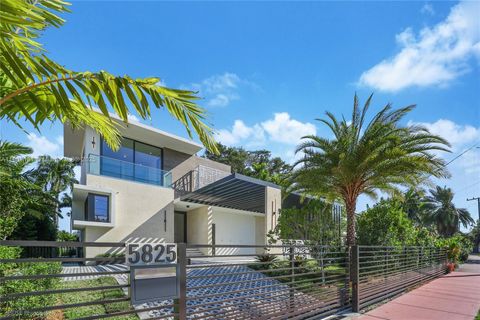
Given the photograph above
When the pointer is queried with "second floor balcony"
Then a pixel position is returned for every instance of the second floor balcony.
(115, 168)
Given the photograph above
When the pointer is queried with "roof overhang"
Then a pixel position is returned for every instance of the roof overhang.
(73, 139)
(235, 191)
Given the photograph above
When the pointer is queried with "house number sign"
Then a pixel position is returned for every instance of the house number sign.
(139, 254)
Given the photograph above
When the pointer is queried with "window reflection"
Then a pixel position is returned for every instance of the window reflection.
(133, 161)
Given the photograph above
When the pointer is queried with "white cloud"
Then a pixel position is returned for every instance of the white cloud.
(434, 57)
(282, 128)
(41, 145)
(460, 137)
(280, 134)
(428, 9)
(220, 90)
(241, 133)
(457, 135)
(132, 117)
(221, 100)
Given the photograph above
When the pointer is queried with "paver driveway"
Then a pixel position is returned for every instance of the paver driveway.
(225, 298)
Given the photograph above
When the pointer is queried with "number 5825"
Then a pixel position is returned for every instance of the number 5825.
(151, 253)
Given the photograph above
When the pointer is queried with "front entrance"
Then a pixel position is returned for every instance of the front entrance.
(180, 221)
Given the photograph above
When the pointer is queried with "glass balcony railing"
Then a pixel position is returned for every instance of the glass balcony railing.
(105, 166)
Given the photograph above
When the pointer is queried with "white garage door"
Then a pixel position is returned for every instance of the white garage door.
(234, 228)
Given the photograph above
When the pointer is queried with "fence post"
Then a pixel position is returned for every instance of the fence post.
(354, 277)
(292, 279)
(182, 262)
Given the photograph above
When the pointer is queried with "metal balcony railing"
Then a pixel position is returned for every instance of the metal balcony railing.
(197, 178)
(105, 166)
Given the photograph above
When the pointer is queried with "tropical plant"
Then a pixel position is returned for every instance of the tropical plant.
(19, 195)
(314, 221)
(475, 237)
(363, 158)
(413, 205)
(55, 176)
(385, 224)
(444, 214)
(37, 89)
(458, 247)
(258, 164)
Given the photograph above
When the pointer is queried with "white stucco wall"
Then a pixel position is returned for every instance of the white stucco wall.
(199, 227)
(235, 229)
(140, 210)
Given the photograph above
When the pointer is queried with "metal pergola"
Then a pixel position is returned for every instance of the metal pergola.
(235, 191)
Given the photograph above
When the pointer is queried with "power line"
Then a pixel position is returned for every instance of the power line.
(461, 154)
(469, 186)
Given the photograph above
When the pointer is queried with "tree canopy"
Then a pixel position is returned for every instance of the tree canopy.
(258, 164)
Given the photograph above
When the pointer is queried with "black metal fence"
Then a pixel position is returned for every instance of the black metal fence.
(217, 281)
(382, 272)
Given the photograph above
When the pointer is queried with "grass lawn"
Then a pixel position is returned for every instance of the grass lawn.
(86, 296)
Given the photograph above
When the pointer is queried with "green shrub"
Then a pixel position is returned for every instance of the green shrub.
(17, 306)
(459, 247)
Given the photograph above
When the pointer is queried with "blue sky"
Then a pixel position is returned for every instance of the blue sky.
(266, 70)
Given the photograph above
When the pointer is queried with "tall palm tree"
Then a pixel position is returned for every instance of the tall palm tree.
(19, 195)
(55, 176)
(37, 89)
(363, 158)
(442, 212)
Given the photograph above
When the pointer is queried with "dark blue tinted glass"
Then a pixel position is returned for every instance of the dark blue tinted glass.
(148, 160)
(100, 208)
(119, 163)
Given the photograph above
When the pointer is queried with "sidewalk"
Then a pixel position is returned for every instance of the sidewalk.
(455, 296)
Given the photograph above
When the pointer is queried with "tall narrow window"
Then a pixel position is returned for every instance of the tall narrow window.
(97, 207)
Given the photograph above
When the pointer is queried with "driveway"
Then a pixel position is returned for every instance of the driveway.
(256, 295)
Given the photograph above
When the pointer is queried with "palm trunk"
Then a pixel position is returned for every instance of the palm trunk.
(350, 207)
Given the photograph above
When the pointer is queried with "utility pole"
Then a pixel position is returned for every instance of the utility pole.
(478, 202)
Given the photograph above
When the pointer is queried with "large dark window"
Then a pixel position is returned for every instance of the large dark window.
(118, 163)
(97, 208)
(134, 161)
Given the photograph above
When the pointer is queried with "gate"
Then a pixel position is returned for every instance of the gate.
(90, 280)
(216, 282)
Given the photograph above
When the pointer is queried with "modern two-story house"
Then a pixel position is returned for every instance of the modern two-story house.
(156, 189)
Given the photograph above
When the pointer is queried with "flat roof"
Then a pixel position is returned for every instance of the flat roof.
(73, 139)
(235, 191)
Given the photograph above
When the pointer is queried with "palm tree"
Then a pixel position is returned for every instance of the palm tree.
(365, 158)
(37, 89)
(19, 195)
(55, 176)
(13, 158)
(442, 212)
(414, 206)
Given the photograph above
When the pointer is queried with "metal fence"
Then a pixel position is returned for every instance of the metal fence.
(217, 281)
(381, 272)
(259, 282)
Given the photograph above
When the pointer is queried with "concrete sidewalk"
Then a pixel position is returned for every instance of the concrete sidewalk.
(455, 296)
